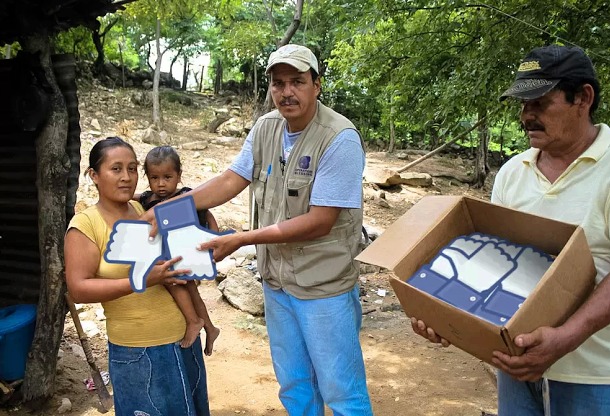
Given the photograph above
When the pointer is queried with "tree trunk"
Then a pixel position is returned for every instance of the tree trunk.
(201, 79)
(171, 65)
(156, 115)
(185, 73)
(392, 131)
(98, 65)
(218, 77)
(7, 51)
(296, 21)
(294, 26)
(255, 74)
(481, 169)
(52, 178)
(122, 64)
(98, 40)
(148, 57)
(434, 137)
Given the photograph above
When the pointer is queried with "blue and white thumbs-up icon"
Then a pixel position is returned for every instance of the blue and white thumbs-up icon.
(179, 235)
(484, 275)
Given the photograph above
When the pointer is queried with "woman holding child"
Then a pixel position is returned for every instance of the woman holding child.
(151, 373)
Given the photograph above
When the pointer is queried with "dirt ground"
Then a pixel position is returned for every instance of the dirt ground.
(406, 375)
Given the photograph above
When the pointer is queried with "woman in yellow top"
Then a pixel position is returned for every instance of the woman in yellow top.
(151, 374)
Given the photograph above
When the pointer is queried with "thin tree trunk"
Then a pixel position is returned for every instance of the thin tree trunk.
(296, 21)
(481, 165)
(122, 64)
(218, 78)
(156, 115)
(98, 65)
(171, 65)
(98, 40)
(185, 73)
(392, 132)
(148, 56)
(255, 73)
(294, 26)
(201, 79)
(52, 178)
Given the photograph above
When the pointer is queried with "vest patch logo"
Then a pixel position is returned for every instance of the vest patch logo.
(303, 168)
(304, 162)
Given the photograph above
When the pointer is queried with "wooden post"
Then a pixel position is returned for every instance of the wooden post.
(52, 177)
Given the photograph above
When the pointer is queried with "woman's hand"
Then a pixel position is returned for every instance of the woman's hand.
(161, 273)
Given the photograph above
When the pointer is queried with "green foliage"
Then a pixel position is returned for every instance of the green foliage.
(449, 61)
(77, 41)
(423, 66)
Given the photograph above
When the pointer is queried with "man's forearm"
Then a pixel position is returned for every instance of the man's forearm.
(218, 190)
(316, 223)
(592, 316)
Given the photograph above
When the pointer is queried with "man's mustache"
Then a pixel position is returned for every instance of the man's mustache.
(532, 125)
(289, 102)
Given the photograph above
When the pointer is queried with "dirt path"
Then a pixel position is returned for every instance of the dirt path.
(406, 375)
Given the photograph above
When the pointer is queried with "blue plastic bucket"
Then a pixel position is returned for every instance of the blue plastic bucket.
(17, 324)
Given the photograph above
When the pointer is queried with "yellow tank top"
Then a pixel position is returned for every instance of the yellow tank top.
(142, 319)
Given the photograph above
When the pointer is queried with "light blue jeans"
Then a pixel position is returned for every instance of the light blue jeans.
(166, 380)
(316, 353)
(518, 398)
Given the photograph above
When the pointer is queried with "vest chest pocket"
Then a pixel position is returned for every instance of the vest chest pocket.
(298, 192)
(264, 190)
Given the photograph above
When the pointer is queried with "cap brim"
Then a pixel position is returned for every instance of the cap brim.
(299, 65)
(529, 88)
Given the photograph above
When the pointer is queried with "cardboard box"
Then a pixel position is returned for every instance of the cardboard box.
(416, 237)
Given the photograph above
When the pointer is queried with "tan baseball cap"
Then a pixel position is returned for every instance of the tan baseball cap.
(300, 57)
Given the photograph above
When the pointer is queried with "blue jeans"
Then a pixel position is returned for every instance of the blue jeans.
(159, 381)
(518, 398)
(316, 353)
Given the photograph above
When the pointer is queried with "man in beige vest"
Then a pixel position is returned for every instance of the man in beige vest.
(304, 164)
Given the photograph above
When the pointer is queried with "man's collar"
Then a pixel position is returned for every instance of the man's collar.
(594, 152)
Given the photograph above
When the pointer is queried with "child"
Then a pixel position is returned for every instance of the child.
(163, 169)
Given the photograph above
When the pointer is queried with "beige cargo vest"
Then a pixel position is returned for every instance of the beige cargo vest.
(310, 269)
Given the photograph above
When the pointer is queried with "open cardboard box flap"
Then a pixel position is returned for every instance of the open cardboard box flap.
(416, 237)
(390, 247)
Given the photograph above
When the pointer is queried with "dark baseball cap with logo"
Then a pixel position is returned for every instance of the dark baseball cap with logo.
(542, 69)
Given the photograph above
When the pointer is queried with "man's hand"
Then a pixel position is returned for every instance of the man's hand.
(223, 246)
(543, 347)
(420, 328)
(149, 216)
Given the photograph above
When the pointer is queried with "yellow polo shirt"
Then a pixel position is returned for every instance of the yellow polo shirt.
(144, 319)
(581, 195)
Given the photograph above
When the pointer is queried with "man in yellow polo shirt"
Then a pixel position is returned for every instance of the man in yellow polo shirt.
(565, 176)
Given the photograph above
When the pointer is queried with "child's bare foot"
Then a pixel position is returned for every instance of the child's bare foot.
(211, 333)
(192, 332)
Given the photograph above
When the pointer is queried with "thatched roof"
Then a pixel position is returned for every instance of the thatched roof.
(20, 18)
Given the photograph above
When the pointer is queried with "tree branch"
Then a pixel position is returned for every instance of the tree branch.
(438, 149)
(296, 22)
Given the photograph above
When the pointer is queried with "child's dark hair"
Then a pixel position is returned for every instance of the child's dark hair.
(162, 154)
(99, 150)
